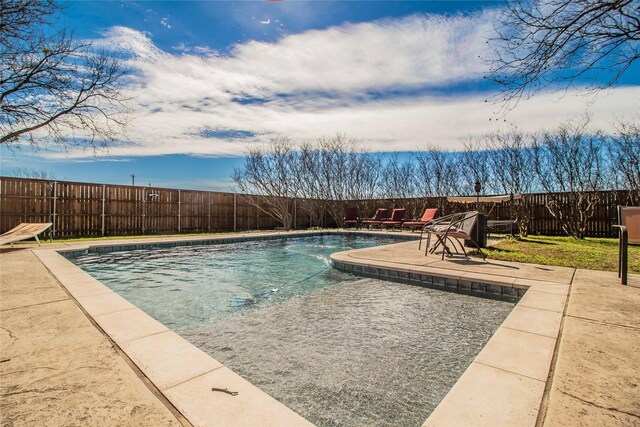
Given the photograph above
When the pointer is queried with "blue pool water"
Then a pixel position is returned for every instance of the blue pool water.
(184, 286)
(340, 350)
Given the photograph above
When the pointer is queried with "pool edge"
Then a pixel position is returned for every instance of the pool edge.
(472, 400)
(181, 372)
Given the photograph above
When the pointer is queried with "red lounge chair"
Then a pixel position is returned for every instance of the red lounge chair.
(351, 218)
(428, 215)
(397, 215)
(381, 215)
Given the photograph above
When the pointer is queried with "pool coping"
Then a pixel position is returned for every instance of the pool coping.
(512, 367)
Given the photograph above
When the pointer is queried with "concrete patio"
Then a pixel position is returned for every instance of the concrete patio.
(567, 355)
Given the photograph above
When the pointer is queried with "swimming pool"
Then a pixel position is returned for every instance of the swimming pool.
(185, 286)
(336, 348)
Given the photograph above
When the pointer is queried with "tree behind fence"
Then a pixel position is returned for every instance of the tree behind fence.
(85, 209)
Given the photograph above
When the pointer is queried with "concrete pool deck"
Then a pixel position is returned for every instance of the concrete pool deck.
(577, 358)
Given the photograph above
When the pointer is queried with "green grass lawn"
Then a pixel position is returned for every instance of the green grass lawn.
(590, 253)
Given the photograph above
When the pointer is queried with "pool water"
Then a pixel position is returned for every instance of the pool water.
(184, 286)
(336, 348)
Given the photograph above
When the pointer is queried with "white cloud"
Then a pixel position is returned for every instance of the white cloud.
(165, 21)
(129, 42)
(322, 82)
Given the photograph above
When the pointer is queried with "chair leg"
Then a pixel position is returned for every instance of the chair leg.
(453, 243)
(620, 255)
(464, 251)
(624, 258)
(478, 248)
(435, 246)
(426, 249)
(445, 248)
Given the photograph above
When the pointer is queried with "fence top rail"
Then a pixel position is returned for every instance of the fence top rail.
(98, 184)
(225, 193)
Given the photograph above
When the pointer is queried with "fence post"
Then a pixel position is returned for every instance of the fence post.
(44, 202)
(257, 213)
(209, 213)
(102, 214)
(235, 206)
(179, 213)
(54, 215)
(295, 214)
(144, 210)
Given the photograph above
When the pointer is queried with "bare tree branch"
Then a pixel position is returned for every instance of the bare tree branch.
(569, 165)
(267, 172)
(550, 44)
(624, 151)
(53, 87)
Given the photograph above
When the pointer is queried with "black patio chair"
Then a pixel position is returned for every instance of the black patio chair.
(449, 229)
(629, 232)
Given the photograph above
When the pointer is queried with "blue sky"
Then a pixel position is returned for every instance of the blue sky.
(211, 78)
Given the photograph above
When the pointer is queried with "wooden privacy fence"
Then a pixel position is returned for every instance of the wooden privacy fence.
(83, 209)
(540, 219)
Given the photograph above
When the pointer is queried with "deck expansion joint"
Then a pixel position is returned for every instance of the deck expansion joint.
(508, 371)
(35, 305)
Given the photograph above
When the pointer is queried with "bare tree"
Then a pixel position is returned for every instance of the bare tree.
(399, 184)
(512, 168)
(53, 87)
(307, 181)
(33, 173)
(267, 175)
(473, 166)
(334, 174)
(624, 150)
(365, 175)
(398, 179)
(568, 162)
(437, 172)
(324, 174)
(552, 43)
(346, 172)
(365, 172)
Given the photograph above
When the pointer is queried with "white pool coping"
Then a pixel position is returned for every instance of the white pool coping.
(504, 385)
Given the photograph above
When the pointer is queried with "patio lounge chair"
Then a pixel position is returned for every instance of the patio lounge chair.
(351, 218)
(381, 215)
(24, 231)
(397, 215)
(429, 214)
(449, 229)
(629, 226)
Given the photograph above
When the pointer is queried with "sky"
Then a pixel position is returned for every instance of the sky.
(209, 79)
